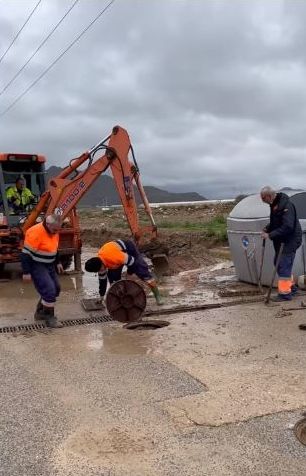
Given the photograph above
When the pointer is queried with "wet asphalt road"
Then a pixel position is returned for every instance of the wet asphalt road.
(215, 393)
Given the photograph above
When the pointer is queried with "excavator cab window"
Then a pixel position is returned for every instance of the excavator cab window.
(33, 174)
(1, 203)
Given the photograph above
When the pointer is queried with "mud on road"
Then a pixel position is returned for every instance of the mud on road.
(187, 235)
(215, 393)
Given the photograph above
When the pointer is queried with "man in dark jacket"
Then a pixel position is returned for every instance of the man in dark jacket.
(284, 227)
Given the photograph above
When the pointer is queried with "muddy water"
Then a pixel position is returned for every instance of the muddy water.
(125, 416)
(114, 340)
(85, 284)
(97, 341)
(18, 299)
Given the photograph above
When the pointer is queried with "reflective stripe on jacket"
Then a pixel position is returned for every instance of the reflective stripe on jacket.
(41, 245)
(113, 256)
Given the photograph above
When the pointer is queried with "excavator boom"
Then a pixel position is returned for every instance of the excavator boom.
(65, 191)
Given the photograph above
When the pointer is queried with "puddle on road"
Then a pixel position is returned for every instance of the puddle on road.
(100, 340)
(189, 287)
(186, 286)
(225, 279)
(96, 340)
(18, 289)
(223, 265)
(84, 284)
(120, 341)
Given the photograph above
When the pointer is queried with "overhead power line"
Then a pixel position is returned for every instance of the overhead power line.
(16, 36)
(38, 48)
(56, 60)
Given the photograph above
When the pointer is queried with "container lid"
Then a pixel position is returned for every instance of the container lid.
(252, 206)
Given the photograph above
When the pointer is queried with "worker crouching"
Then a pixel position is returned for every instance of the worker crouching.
(40, 265)
(111, 259)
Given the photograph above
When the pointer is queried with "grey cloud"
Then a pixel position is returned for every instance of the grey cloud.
(212, 93)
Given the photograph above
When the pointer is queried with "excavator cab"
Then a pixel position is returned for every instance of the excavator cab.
(31, 168)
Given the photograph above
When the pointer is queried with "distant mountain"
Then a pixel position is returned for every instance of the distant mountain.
(103, 192)
(289, 189)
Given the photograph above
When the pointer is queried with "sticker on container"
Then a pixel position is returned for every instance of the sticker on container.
(245, 241)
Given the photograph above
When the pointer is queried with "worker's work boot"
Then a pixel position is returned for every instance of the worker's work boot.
(281, 298)
(50, 318)
(295, 290)
(39, 313)
(153, 286)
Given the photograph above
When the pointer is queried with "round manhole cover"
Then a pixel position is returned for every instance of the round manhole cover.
(300, 431)
(126, 301)
(146, 325)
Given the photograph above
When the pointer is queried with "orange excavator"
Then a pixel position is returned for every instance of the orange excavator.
(65, 191)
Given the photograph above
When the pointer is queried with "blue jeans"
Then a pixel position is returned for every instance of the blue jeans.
(285, 265)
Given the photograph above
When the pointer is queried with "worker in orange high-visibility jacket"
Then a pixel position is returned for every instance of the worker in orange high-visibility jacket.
(40, 265)
(111, 259)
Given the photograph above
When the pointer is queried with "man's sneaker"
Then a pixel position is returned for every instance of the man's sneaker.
(281, 298)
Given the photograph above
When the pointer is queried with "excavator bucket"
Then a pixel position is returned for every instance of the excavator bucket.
(158, 253)
(160, 263)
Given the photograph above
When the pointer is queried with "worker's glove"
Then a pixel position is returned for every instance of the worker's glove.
(26, 278)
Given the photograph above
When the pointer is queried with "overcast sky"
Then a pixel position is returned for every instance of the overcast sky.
(212, 93)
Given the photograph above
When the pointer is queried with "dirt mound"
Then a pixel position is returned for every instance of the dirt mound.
(184, 250)
(183, 234)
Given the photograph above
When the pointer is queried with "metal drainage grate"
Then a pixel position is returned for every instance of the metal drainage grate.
(66, 323)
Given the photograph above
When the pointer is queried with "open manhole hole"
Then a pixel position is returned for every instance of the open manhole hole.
(300, 431)
(146, 325)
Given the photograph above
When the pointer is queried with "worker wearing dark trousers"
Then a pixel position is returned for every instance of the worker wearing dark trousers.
(111, 259)
(284, 227)
(39, 263)
(110, 275)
